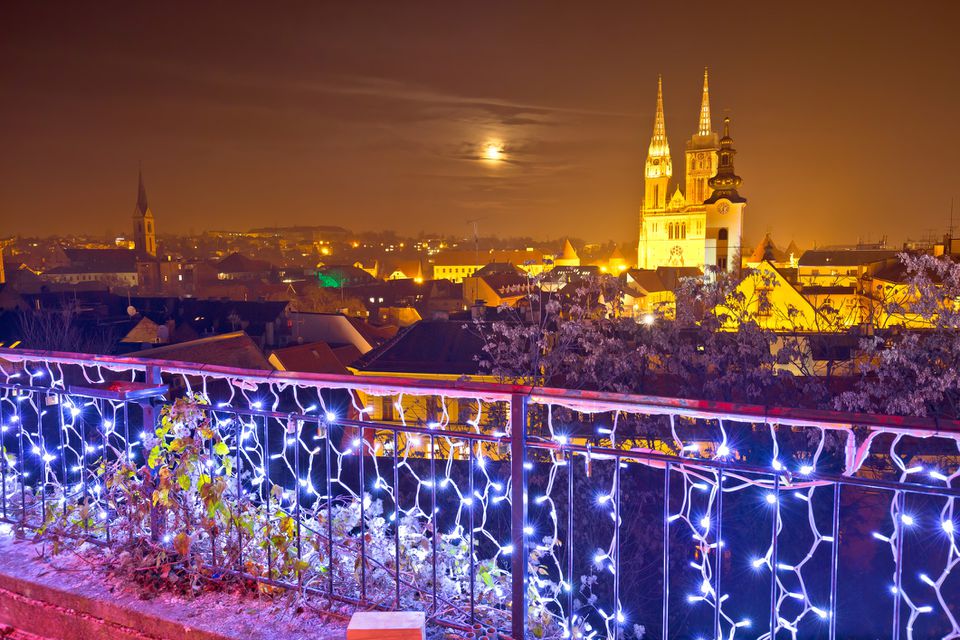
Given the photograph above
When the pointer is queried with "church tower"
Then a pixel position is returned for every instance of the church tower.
(724, 214)
(701, 153)
(659, 167)
(144, 233)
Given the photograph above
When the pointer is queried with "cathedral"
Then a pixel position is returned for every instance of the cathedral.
(701, 226)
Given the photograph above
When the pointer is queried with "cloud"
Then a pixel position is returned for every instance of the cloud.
(398, 90)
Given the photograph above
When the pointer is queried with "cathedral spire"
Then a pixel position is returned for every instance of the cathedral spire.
(658, 143)
(705, 128)
(659, 164)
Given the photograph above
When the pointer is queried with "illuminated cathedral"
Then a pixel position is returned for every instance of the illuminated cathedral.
(701, 226)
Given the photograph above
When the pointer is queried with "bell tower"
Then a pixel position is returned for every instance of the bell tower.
(701, 154)
(724, 210)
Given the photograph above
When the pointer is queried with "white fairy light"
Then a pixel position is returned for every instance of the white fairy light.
(700, 492)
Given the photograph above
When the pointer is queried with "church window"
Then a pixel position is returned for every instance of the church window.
(656, 195)
(722, 235)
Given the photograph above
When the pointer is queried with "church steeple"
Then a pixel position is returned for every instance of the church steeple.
(658, 156)
(659, 167)
(144, 233)
(701, 153)
(142, 206)
(705, 128)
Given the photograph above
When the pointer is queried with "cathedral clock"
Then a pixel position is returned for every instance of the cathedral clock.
(723, 207)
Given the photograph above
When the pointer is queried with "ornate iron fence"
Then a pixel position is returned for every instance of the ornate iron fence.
(535, 512)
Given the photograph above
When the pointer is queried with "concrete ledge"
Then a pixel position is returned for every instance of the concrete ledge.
(387, 625)
(77, 603)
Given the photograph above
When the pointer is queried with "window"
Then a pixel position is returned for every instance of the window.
(722, 235)
(656, 195)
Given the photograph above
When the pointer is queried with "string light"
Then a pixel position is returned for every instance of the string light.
(701, 492)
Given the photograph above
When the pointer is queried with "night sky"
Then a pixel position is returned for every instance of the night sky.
(372, 115)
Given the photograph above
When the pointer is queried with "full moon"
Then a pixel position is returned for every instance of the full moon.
(493, 151)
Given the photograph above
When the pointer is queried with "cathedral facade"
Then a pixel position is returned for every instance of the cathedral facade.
(702, 226)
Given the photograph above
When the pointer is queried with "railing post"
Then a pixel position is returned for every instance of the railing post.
(518, 516)
(151, 376)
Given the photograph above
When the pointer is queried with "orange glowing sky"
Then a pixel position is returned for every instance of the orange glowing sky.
(376, 115)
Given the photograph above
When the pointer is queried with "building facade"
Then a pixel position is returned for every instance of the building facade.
(699, 228)
(455, 266)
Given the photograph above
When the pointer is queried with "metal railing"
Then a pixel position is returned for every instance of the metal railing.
(534, 512)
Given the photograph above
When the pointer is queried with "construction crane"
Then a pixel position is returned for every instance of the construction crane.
(476, 236)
